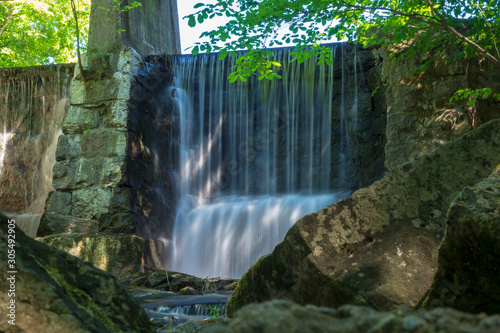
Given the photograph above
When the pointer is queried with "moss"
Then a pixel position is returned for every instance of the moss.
(81, 298)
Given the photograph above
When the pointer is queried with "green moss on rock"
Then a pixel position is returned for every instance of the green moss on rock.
(60, 293)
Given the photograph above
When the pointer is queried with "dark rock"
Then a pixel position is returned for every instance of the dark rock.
(468, 274)
(378, 247)
(56, 292)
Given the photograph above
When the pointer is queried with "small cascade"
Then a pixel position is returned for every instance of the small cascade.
(199, 310)
(32, 108)
(177, 309)
(256, 156)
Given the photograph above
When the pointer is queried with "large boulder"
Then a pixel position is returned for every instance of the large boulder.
(47, 290)
(468, 274)
(378, 247)
(287, 317)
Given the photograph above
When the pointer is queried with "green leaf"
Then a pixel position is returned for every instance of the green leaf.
(196, 50)
(222, 54)
(191, 21)
(198, 5)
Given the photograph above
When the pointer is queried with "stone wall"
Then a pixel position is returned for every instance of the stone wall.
(91, 193)
(95, 194)
(33, 102)
(101, 185)
(420, 115)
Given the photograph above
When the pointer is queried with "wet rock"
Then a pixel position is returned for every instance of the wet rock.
(56, 292)
(174, 281)
(378, 247)
(468, 274)
(189, 291)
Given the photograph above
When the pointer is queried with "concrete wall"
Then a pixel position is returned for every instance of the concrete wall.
(152, 28)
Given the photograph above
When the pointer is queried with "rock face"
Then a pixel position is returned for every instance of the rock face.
(56, 292)
(379, 246)
(288, 317)
(468, 274)
(420, 115)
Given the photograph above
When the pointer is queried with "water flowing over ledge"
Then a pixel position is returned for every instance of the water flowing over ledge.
(256, 156)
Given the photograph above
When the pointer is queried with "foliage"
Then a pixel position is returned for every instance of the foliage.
(214, 311)
(37, 32)
(428, 27)
(118, 4)
(473, 94)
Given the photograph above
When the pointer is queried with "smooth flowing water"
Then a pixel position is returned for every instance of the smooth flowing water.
(33, 103)
(255, 157)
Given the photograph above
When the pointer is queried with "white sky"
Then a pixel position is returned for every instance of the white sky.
(191, 35)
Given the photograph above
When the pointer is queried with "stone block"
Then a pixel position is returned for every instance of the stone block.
(57, 223)
(116, 116)
(59, 202)
(104, 143)
(119, 254)
(92, 202)
(80, 173)
(68, 147)
(79, 119)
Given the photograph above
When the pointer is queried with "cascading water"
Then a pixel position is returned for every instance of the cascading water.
(254, 158)
(32, 108)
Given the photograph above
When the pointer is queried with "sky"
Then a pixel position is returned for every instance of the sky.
(191, 35)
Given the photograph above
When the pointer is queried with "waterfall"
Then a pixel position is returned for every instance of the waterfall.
(255, 157)
(32, 108)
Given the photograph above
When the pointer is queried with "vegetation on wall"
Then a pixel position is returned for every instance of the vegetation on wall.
(427, 26)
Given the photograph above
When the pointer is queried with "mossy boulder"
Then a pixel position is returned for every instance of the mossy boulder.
(119, 254)
(468, 274)
(56, 292)
(281, 316)
(378, 247)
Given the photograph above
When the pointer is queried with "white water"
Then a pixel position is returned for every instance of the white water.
(254, 158)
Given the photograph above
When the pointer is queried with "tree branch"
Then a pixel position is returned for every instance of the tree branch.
(7, 20)
(463, 38)
(73, 8)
